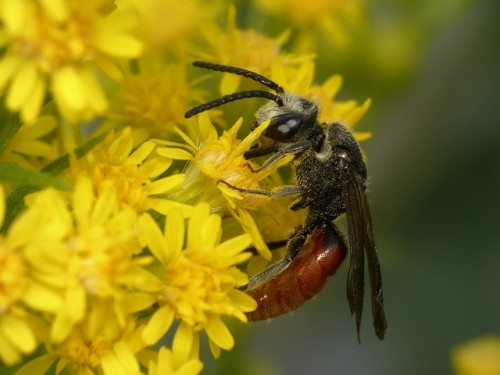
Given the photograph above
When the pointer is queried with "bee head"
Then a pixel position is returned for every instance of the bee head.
(290, 122)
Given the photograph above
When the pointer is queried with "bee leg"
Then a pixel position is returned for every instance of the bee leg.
(276, 193)
(299, 238)
(294, 245)
(293, 149)
(255, 152)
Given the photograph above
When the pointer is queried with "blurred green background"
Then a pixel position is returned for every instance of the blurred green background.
(435, 179)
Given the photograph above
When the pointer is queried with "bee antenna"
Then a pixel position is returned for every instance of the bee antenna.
(231, 98)
(241, 72)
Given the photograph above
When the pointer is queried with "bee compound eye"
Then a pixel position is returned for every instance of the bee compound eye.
(283, 127)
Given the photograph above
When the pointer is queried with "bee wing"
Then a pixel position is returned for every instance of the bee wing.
(359, 225)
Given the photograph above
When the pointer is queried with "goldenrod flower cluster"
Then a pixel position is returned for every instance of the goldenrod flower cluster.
(122, 248)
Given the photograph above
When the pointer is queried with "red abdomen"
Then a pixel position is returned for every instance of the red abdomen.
(304, 277)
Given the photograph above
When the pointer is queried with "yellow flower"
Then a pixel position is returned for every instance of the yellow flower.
(136, 175)
(28, 148)
(219, 161)
(334, 18)
(85, 246)
(168, 25)
(196, 281)
(57, 46)
(478, 357)
(152, 101)
(22, 290)
(98, 345)
(254, 50)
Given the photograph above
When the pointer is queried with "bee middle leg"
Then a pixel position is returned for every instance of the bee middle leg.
(279, 192)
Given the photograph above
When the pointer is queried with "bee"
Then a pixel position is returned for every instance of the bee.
(330, 177)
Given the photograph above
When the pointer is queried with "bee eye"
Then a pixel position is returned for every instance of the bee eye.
(283, 127)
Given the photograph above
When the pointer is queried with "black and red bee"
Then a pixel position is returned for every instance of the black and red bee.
(331, 180)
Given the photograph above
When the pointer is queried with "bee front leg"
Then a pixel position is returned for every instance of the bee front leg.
(293, 149)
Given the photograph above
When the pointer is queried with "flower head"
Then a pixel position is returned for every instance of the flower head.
(146, 104)
(477, 357)
(56, 47)
(23, 291)
(197, 279)
(134, 174)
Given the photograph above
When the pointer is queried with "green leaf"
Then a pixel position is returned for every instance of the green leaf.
(9, 125)
(10, 172)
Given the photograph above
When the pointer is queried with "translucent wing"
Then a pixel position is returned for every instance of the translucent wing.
(361, 241)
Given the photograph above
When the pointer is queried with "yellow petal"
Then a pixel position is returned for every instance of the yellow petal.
(151, 235)
(154, 167)
(211, 231)
(118, 45)
(41, 298)
(234, 245)
(229, 83)
(158, 325)
(199, 216)
(22, 86)
(241, 300)
(248, 223)
(175, 231)
(355, 115)
(18, 333)
(167, 184)
(93, 92)
(83, 198)
(182, 344)
(8, 67)
(68, 88)
(141, 153)
(174, 153)
(8, 353)
(219, 334)
(56, 9)
(164, 206)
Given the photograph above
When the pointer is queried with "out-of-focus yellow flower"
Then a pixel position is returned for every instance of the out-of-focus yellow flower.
(98, 345)
(477, 357)
(170, 25)
(152, 100)
(85, 246)
(56, 47)
(196, 281)
(245, 49)
(135, 175)
(23, 290)
(333, 18)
